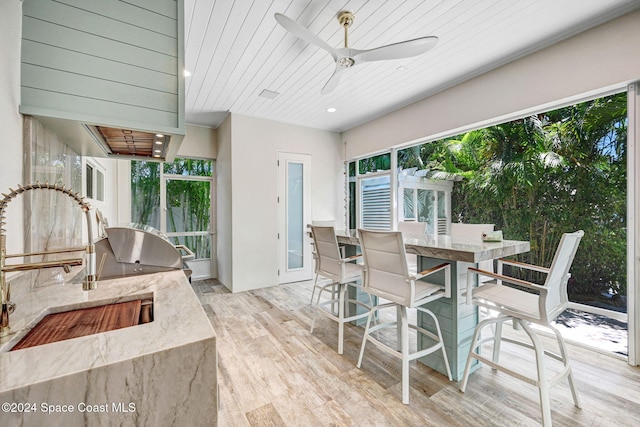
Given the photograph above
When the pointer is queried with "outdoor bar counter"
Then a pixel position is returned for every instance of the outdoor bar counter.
(457, 320)
(159, 373)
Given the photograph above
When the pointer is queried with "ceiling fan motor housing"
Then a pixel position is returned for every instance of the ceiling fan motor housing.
(346, 18)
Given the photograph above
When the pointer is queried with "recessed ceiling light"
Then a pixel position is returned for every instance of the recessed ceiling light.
(157, 150)
(331, 110)
(270, 94)
(186, 73)
(159, 135)
(158, 142)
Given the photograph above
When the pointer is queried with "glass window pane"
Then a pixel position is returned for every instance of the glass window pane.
(145, 193)
(381, 162)
(89, 181)
(441, 205)
(352, 205)
(188, 205)
(189, 167)
(425, 209)
(99, 186)
(295, 217)
(352, 168)
(409, 211)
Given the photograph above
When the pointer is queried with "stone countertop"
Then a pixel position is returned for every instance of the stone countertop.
(464, 249)
(450, 248)
(179, 319)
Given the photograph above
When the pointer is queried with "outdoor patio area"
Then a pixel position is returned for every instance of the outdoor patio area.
(601, 332)
(289, 377)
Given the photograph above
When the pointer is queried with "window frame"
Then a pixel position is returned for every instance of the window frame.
(358, 179)
(90, 179)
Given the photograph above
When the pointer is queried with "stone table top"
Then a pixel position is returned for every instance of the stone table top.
(450, 248)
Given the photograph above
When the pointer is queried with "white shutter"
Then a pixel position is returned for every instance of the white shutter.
(442, 226)
(376, 204)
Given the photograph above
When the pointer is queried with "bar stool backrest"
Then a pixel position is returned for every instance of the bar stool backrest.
(473, 231)
(324, 222)
(328, 253)
(412, 228)
(556, 282)
(386, 273)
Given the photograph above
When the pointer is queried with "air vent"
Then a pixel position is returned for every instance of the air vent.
(269, 94)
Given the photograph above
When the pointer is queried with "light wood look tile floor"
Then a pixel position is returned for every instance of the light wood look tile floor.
(273, 372)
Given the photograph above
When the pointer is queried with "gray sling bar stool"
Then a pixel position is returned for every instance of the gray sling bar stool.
(343, 272)
(524, 303)
(387, 276)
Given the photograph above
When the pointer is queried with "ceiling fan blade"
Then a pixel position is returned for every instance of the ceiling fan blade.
(333, 81)
(405, 49)
(302, 32)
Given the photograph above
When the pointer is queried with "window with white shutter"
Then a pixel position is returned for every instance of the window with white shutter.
(376, 203)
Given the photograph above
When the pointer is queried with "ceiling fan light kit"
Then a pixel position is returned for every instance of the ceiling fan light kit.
(347, 57)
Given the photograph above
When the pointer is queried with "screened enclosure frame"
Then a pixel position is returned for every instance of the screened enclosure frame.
(440, 221)
(633, 193)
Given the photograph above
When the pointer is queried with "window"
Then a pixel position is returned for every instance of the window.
(377, 163)
(183, 188)
(425, 200)
(89, 181)
(351, 192)
(145, 193)
(369, 193)
(99, 186)
(540, 176)
(375, 194)
(93, 181)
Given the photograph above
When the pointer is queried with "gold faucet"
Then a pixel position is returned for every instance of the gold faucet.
(90, 281)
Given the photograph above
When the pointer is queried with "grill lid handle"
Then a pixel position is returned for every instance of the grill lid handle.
(189, 256)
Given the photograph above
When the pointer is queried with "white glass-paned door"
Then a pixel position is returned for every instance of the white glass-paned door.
(295, 215)
(294, 207)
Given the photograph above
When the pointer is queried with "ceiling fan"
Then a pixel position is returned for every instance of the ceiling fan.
(347, 57)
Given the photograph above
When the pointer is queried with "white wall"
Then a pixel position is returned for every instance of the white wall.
(602, 58)
(199, 142)
(10, 119)
(224, 213)
(255, 144)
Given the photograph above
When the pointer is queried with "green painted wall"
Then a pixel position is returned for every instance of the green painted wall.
(104, 61)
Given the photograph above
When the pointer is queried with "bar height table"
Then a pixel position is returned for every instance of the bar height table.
(457, 320)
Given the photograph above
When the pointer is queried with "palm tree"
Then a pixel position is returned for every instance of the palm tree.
(547, 174)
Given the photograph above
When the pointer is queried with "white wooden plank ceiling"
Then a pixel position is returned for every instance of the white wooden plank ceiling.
(235, 49)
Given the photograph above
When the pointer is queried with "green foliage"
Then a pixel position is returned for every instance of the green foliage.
(381, 162)
(145, 193)
(192, 167)
(544, 175)
(188, 201)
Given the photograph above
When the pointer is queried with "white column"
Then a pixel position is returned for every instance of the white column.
(633, 214)
(10, 119)
(394, 188)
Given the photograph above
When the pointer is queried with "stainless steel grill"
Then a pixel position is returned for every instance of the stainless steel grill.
(138, 249)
